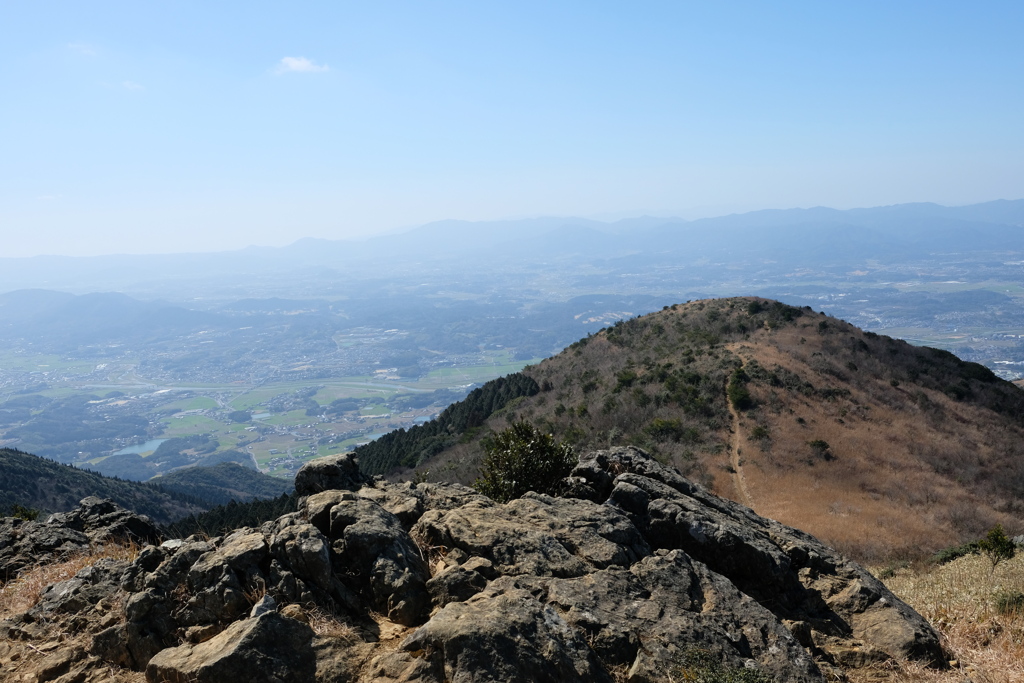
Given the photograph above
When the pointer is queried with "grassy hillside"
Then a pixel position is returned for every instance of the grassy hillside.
(978, 610)
(224, 482)
(49, 486)
(876, 446)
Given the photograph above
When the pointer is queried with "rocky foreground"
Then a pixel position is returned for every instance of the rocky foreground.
(636, 575)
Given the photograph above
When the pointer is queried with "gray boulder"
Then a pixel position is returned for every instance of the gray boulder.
(372, 547)
(788, 571)
(537, 534)
(104, 520)
(85, 589)
(266, 649)
(94, 522)
(504, 634)
(335, 472)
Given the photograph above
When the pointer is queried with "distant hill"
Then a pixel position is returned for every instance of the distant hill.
(60, 320)
(877, 446)
(49, 486)
(223, 483)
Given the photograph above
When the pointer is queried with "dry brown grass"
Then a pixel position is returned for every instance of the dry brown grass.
(24, 592)
(960, 599)
(329, 625)
(899, 484)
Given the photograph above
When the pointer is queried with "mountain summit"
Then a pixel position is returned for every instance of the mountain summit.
(876, 446)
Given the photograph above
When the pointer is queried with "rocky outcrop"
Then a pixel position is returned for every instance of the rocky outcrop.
(94, 522)
(333, 473)
(267, 649)
(633, 577)
(796, 576)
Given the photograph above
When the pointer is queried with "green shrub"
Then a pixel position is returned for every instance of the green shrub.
(955, 552)
(521, 459)
(997, 546)
(25, 513)
(821, 449)
(737, 392)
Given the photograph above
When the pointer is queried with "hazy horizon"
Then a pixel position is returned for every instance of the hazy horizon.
(194, 128)
(609, 219)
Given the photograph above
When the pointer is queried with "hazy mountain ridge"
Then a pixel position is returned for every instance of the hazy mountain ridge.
(882, 232)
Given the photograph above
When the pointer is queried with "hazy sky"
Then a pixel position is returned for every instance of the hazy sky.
(193, 126)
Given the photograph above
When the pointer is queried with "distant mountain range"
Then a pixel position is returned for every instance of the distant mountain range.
(792, 236)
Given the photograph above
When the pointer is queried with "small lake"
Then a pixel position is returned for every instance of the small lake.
(150, 445)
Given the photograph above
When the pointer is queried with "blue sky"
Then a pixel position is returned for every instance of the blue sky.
(195, 126)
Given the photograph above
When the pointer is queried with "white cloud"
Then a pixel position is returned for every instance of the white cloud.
(131, 85)
(300, 65)
(82, 49)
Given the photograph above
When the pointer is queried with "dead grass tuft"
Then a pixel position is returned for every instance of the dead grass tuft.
(961, 600)
(330, 625)
(25, 591)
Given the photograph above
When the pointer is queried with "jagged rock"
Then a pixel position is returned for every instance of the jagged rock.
(111, 646)
(339, 660)
(628, 580)
(504, 634)
(317, 508)
(443, 496)
(220, 579)
(455, 585)
(104, 521)
(265, 605)
(409, 500)
(25, 544)
(790, 572)
(335, 472)
(164, 568)
(398, 499)
(267, 649)
(241, 551)
(96, 521)
(82, 591)
(370, 541)
(306, 551)
(149, 628)
(537, 534)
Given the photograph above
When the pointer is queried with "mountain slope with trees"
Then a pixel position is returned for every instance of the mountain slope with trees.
(47, 486)
(223, 483)
(877, 446)
(36, 483)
